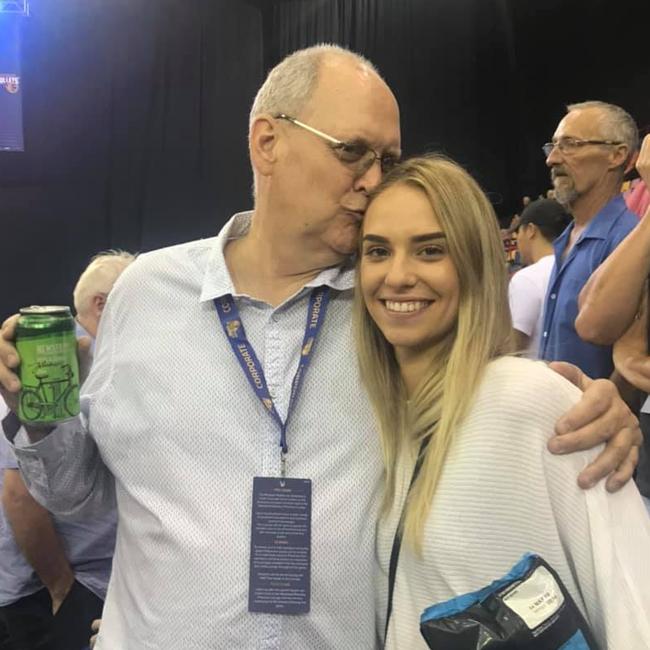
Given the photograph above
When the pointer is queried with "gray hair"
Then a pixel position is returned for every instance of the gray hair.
(617, 123)
(99, 276)
(289, 86)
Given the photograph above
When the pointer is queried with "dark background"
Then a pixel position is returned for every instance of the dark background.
(135, 111)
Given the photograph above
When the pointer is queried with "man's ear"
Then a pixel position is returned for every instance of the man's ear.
(619, 157)
(98, 303)
(631, 163)
(263, 143)
(527, 230)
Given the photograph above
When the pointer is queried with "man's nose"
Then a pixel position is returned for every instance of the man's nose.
(370, 178)
(554, 158)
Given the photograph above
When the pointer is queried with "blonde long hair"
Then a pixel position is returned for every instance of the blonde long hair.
(483, 331)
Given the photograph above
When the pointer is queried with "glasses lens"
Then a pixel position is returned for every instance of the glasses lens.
(354, 153)
(547, 148)
(388, 163)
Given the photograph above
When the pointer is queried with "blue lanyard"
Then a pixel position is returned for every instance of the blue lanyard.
(236, 335)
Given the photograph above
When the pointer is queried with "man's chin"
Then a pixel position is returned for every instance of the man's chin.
(565, 195)
(347, 243)
(345, 249)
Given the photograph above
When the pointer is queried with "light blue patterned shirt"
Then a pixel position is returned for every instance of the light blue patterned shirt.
(88, 546)
(181, 436)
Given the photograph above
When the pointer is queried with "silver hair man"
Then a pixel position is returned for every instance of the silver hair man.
(94, 285)
(289, 86)
(616, 123)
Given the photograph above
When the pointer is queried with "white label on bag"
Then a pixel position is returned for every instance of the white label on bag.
(536, 599)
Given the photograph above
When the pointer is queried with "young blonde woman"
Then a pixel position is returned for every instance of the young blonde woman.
(434, 337)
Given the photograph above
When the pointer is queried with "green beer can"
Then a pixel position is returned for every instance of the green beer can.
(49, 370)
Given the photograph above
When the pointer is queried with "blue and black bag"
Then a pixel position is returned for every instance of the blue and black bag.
(529, 608)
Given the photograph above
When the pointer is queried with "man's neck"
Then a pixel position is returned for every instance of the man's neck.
(542, 249)
(587, 206)
(269, 268)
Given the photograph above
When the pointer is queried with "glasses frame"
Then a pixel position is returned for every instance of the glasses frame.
(364, 163)
(572, 144)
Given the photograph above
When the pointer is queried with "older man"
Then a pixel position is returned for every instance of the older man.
(225, 388)
(94, 285)
(54, 573)
(588, 156)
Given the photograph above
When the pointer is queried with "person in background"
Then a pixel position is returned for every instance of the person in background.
(191, 436)
(434, 337)
(637, 197)
(539, 225)
(588, 156)
(93, 286)
(55, 572)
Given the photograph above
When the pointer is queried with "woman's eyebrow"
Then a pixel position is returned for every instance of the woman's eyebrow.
(375, 238)
(428, 236)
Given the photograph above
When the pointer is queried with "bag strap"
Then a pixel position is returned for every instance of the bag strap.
(397, 540)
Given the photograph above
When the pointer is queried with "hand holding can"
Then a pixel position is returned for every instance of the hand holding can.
(9, 361)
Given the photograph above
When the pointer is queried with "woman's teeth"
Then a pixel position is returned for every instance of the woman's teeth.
(404, 307)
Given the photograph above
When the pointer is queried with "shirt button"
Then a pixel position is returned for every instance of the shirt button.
(545, 334)
(553, 296)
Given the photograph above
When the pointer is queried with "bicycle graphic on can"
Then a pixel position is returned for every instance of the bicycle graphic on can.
(53, 398)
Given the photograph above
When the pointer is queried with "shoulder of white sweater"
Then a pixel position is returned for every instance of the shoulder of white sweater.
(520, 377)
(524, 391)
(514, 413)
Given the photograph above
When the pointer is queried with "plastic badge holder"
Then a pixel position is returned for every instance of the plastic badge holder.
(527, 609)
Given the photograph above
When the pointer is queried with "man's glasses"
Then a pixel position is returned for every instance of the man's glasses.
(571, 145)
(356, 155)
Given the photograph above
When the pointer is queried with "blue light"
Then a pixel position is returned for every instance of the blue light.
(20, 7)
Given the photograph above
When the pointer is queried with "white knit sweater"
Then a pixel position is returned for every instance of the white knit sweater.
(503, 494)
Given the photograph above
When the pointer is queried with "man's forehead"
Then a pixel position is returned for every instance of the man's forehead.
(355, 119)
(584, 122)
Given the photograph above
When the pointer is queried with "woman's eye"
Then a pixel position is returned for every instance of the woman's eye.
(432, 251)
(375, 251)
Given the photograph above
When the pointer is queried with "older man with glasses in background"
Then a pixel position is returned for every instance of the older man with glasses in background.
(225, 386)
(591, 149)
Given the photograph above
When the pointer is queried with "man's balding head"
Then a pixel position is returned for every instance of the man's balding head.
(94, 285)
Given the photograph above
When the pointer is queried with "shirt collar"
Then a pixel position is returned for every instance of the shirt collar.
(80, 330)
(600, 226)
(217, 281)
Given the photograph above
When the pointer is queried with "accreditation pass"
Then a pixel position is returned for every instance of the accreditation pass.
(280, 559)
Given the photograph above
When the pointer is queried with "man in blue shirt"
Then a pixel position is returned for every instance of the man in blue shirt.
(588, 156)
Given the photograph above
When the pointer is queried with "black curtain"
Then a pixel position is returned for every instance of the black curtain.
(484, 81)
(135, 111)
(135, 116)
